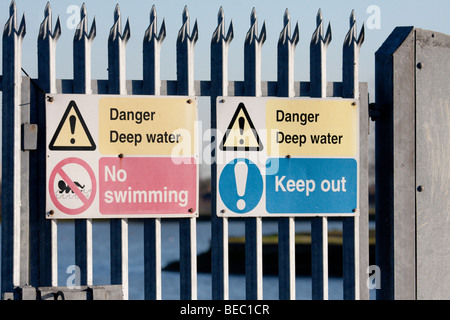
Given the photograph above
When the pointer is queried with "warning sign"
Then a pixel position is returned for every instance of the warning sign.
(142, 126)
(72, 186)
(147, 185)
(312, 127)
(139, 157)
(309, 165)
(241, 134)
(72, 132)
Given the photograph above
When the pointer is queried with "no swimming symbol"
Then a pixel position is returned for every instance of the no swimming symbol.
(66, 193)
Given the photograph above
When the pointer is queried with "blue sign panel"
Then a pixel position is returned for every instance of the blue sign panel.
(241, 185)
(315, 186)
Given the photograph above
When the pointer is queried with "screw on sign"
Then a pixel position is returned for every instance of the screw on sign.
(72, 186)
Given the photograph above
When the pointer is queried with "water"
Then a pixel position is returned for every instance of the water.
(170, 253)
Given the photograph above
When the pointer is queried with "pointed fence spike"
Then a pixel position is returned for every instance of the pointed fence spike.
(12, 9)
(57, 32)
(296, 35)
(220, 15)
(126, 31)
(162, 31)
(116, 12)
(153, 14)
(48, 10)
(185, 14)
(252, 34)
(230, 34)
(253, 16)
(93, 32)
(328, 35)
(22, 28)
(361, 36)
(263, 34)
(194, 35)
(287, 20)
(352, 17)
(152, 27)
(319, 17)
(83, 11)
(351, 36)
(11, 25)
(219, 32)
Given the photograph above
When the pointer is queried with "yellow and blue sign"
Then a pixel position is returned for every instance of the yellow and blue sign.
(287, 157)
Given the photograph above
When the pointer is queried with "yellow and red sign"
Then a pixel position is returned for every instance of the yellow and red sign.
(111, 156)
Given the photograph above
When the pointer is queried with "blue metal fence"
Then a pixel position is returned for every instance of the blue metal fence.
(33, 264)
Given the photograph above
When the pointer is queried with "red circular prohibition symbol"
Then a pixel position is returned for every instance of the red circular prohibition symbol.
(59, 170)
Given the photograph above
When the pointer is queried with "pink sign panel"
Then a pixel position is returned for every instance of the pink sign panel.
(140, 185)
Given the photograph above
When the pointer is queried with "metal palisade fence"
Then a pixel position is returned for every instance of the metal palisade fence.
(34, 264)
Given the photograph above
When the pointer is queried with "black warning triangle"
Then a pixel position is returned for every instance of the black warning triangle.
(241, 134)
(72, 133)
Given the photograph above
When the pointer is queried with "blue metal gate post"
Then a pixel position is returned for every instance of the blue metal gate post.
(286, 226)
(253, 226)
(185, 86)
(82, 43)
(152, 227)
(117, 85)
(12, 274)
(319, 226)
(219, 226)
(48, 258)
(351, 236)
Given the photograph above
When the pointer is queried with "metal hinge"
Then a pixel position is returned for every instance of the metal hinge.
(374, 111)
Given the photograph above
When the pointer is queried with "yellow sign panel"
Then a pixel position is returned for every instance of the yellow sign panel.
(160, 126)
(312, 128)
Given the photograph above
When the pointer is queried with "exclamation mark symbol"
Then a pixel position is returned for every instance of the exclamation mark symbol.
(241, 128)
(241, 172)
(73, 121)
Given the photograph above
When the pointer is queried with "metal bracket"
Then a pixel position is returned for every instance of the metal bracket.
(29, 136)
(375, 111)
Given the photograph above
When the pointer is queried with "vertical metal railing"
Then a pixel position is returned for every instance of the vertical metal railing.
(43, 266)
(351, 226)
(286, 226)
(219, 226)
(117, 85)
(253, 226)
(48, 268)
(319, 226)
(82, 44)
(14, 269)
(185, 86)
(152, 227)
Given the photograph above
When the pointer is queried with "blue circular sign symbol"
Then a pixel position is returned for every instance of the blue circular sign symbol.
(241, 185)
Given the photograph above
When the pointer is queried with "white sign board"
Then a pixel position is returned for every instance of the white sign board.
(287, 157)
(114, 156)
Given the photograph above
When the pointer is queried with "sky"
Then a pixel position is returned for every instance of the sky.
(379, 18)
